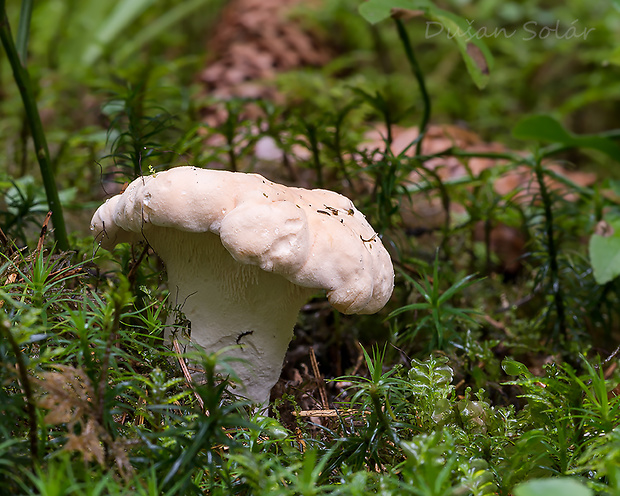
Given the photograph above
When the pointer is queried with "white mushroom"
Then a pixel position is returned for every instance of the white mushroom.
(244, 254)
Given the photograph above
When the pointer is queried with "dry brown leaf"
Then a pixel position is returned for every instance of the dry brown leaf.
(67, 394)
(88, 443)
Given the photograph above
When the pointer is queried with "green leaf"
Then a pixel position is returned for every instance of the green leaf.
(458, 286)
(614, 56)
(375, 11)
(406, 308)
(121, 17)
(160, 25)
(23, 31)
(542, 128)
(475, 54)
(605, 257)
(512, 367)
(546, 129)
(561, 486)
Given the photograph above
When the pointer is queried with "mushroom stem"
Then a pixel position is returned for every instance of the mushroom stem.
(231, 305)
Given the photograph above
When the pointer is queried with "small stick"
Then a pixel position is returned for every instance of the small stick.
(4, 241)
(360, 358)
(43, 232)
(134, 266)
(186, 373)
(319, 378)
(610, 370)
(498, 325)
(328, 413)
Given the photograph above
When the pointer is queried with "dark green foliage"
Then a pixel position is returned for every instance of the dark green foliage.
(22, 79)
(136, 129)
(435, 313)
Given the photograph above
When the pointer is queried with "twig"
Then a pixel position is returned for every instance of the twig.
(360, 358)
(613, 355)
(134, 266)
(187, 374)
(610, 370)
(319, 378)
(43, 233)
(498, 325)
(4, 241)
(330, 413)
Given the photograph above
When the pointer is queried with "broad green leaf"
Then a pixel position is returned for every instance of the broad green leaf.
(546, 129)
(561, 486)
(476, 55)
(605, 256)
(541, 128)
(599, 143)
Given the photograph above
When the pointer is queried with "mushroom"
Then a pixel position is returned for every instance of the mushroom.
(243, 254)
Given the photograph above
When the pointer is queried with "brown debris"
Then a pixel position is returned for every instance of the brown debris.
(44, 228)
(425, 212)
(69, 395)
(441, 138)
(254, 40)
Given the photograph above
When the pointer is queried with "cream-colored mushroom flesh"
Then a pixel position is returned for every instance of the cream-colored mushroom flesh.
(243, 254)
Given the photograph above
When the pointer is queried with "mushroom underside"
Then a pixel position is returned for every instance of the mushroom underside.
(248, 312)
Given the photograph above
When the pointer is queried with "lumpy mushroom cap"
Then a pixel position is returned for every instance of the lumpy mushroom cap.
(314, 238)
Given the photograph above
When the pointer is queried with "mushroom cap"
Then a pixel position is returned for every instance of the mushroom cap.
(314, 238)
